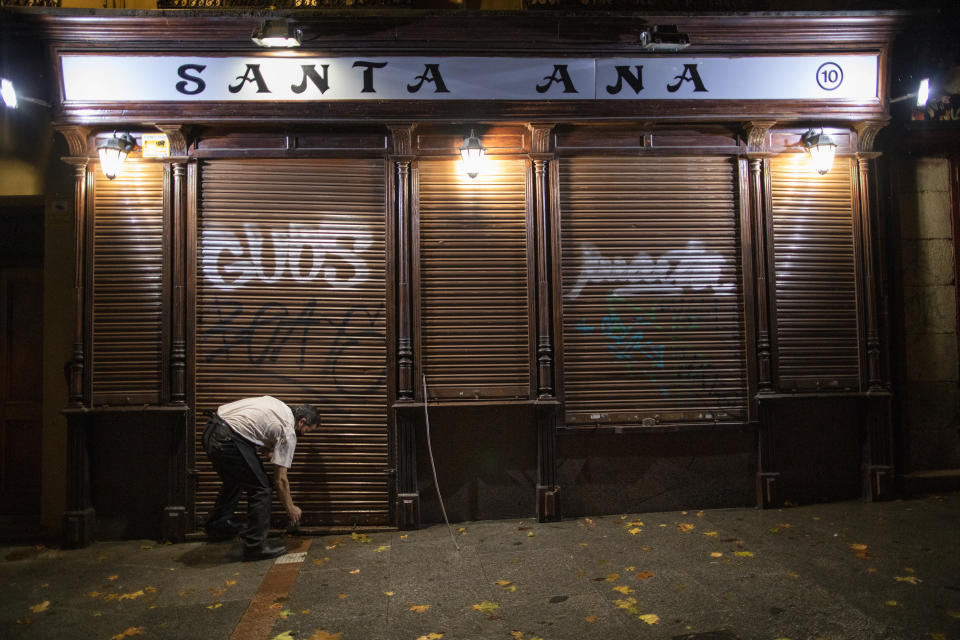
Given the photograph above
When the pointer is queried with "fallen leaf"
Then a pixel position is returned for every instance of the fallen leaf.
(354, 572)
(685, 527)
(859, 547)
(646, 548)
(286, 613)
(305, 612)
(405, 536)
(360, 537)
(909, 569)
(784, 525)
(390, 593)
(502, 583)
(634, 531)
(645, 575)
(892, 603)
(954, 614)
(792, 574)
(429, 636)
(144, 547)
(612, 577)
(154, 589)
(631, 568)
(743, 554)
(936, 636)
(286, 635)
(215, 605)
(531, 534)
(230, 583)
(699, 514)
(131, 631)
(25, 620)
(716, 554)
(97, 614)
(382, 548)
(216, 592)
(591, 618)
(185, 592)
(319, 561)
(517, 634)
(583, 544)
(343, 596)
(910, 579)
(462, 531)
(94, 594)
(650, 618)
(775, 530)
(320, 634)
(624, 589)
(712, 534)
(43, 606)
(589, 522)
(111, 578)
(871, 570)
(419, 608)
(486, 606)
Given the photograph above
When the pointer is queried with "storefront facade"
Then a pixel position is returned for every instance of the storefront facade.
(645, 269)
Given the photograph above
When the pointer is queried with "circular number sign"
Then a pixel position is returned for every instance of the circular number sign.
(829, 76)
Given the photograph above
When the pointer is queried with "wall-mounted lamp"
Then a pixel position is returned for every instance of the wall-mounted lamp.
(472, 154)
(276, 33)
(113, 151)
(664, 37)
(8, 93)
(822, 148)
(923, 92)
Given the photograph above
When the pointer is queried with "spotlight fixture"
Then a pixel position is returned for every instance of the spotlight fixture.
(923, 92)
(822, 148)
(472, 154)
(8, 93)
(664, 37)
(113, 151)
(276, 33)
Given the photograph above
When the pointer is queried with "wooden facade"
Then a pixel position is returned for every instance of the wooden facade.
(622, 270)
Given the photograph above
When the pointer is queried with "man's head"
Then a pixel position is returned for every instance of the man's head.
(305, 418)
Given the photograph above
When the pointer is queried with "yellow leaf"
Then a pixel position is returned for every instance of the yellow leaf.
(531, 534)
(131, 631)
(892, 603)
(624, 589)
(405, 536)
(93, 594)
(97, 614)
(591, 618)
(25, 620)
(286, 635)
(185, 592)
(716, 554)
(936, 636)
(382, 548)
(792, 574)
(631, 568)
(431, 636)
(215, 605)
(354, 572)
(114, 577)
(634, 531)
(699, 514)
(859, 547)
(954, 614)
(502, 583)
(650, 618)
(712, 534)
(150, 589)
(360, 537)
(517, 634)
(144, 547)
(685, 527)
(910, 579)
(419, 608)
(230, 583)
(646, 548)
(583, 544)
(319, 561)
(743, 554)
(305, 612)
(589, 522)
(909, 569)
(216, 592)
(286, 613)
(486, 606)
(43, 606)
(645, 575)
(342, 596)
(390, 593)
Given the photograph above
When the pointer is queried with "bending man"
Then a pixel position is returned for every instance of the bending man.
(233, 434)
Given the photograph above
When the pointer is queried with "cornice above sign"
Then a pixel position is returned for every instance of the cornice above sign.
(305, 78)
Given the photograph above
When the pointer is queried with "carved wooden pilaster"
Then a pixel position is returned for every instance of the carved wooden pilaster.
(402, 160)
(408, 493)
(548, 490)
(540, 159)
(79, 519)
(76, 138)
(756, 133)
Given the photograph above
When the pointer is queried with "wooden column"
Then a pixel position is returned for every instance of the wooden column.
(402, 159)
(540, 157)
(758, 158)
(407, 492)
(174, 525)
(877, 462)
(79, 519)
(548, 490)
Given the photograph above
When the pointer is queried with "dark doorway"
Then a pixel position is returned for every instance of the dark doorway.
(21, 365)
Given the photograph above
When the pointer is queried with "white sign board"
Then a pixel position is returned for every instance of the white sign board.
(108, 78)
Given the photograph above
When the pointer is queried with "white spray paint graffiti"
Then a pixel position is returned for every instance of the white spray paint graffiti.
(303, 252)
(692, 267)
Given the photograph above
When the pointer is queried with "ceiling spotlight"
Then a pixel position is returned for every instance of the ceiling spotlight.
(276, 33)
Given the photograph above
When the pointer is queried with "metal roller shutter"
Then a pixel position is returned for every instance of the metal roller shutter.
(815, 275)
(653, 328)
(291, 303)
(127, 285)
(473, 280)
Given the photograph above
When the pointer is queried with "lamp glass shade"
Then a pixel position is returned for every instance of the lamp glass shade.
(113, 152)
(822, 150)
(8, 93)
(472, 155)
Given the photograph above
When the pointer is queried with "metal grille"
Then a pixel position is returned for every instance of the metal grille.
(127, 285)
(473, 280)
(815, 275)
(653, 328)
(290, 303)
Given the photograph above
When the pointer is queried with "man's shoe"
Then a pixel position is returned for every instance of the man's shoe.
(264, 552)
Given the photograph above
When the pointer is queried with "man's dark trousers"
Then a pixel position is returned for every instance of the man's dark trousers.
(240, 469)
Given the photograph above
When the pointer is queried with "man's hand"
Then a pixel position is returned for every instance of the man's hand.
(295, 514)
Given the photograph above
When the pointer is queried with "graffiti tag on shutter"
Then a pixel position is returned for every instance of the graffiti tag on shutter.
(303, 252)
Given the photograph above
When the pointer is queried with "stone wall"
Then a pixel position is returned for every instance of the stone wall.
(930, 399)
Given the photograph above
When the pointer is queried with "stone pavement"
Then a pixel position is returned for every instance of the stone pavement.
(841, 571)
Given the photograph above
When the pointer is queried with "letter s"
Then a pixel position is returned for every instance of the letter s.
(183, 87)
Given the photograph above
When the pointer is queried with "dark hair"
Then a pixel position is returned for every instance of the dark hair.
(307, 411)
